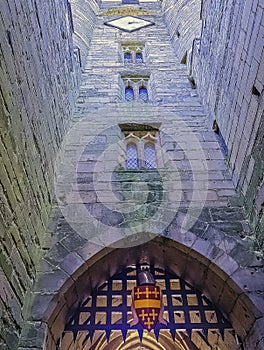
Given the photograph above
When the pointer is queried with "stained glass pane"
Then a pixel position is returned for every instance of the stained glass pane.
(127, 57)
(143, 94)
(132, 158)
(139, 57)
(129, 94)
(150, 156)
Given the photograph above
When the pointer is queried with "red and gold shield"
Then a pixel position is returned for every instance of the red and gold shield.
(147, 304)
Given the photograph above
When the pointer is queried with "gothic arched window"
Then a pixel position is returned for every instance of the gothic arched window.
(129, 93)
(143, 94)
(127, 57)
(133, 52)
(132, 156)
(136, 88)
(150, 156)
(141, 150)
(139, 57)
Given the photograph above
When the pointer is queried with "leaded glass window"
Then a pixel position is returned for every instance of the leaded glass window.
(136, 88)
(143, 94)
(133, 52)
(141, 150)
(150, 156)
(139, 57)
(131, 156)
(129, 94)
(127, 57)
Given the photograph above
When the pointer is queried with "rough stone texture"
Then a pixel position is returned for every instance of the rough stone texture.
(216, 250)
(39, 81)
(229, 69)
(184, 25)
(215, 254)
(84, 19)
(227, 63)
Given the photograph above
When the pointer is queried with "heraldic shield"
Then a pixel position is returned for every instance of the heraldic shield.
(147, 304)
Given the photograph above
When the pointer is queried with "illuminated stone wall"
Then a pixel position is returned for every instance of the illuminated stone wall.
(39, 80)
(94, 188)
(224, 45)
(229, 72)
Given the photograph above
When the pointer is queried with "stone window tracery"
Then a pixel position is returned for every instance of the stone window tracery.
(141, 149)
(133, 53)
(136, 88)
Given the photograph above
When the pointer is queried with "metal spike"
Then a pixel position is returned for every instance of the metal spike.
(91, 335)
(189, 331)
(156, 332)
(222, 332)
(75, 333)
(108, 333)
(173, 333)
(124, 334)
(140, 334)
(205, 332)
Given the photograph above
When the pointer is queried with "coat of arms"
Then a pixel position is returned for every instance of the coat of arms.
(147, 307)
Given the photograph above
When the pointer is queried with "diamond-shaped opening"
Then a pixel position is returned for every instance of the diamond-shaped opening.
(129, 23)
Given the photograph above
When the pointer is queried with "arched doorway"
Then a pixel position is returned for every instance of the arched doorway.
(103, 319)
(101, 265)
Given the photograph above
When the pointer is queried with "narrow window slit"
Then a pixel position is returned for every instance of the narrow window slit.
(220, 138)
(255, 91)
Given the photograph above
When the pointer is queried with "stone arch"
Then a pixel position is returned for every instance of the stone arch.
(213, 248)
(203, 265)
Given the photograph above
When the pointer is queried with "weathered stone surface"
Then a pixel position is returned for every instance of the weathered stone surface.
(39, 82)
(40, 78)
(227, 63)
(35, 332)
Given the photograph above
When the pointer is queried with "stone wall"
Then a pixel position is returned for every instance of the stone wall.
(39, 82)
(36, 113)
(228, 64)
(230, 68)
(84, 18)
(184, 25)
(94, 191)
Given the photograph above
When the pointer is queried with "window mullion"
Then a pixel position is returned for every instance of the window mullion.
(141, 154)
(133, 54)
(136, 91)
